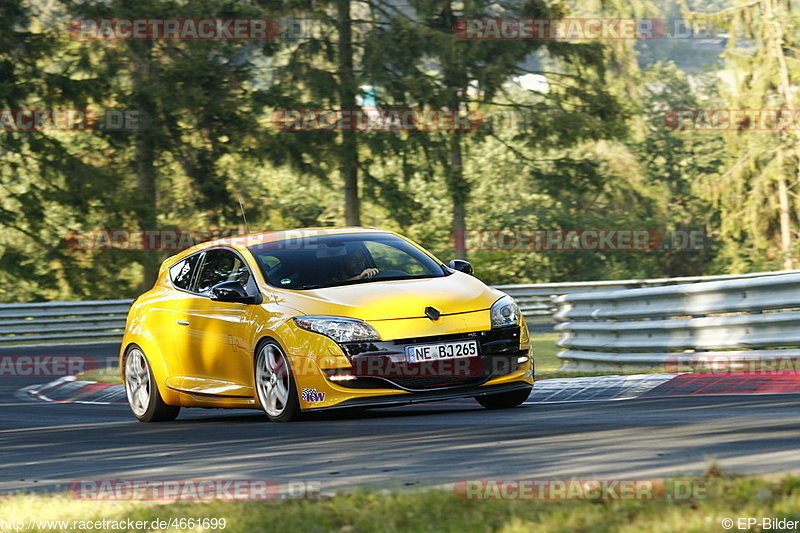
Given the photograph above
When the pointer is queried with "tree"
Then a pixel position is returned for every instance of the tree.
(420, 61)
(755, 194)
(319, 70)
(200, 101)
(47, 182)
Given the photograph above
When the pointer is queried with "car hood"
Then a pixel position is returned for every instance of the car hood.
(394, 299)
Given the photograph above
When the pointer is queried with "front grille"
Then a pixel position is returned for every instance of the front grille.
(383, 362)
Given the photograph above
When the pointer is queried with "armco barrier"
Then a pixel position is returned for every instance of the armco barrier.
(53, 322)
(738, 322)
(62, 321)
(537, 301)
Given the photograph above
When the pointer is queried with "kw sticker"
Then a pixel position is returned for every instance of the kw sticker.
(311, 395)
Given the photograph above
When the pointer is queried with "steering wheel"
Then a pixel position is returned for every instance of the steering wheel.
(389, 274)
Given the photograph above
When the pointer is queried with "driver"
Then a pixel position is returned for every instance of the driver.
(355, 267)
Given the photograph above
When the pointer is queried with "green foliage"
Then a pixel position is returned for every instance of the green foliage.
(755, 191)
(714, 496)
(590, 149)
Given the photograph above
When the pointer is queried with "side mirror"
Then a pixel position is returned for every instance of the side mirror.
(461, 266)
(231, 291)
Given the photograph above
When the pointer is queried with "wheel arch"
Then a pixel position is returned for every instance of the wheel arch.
(264, 339)
(155, 359)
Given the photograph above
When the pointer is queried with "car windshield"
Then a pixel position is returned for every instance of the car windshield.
(330, 260)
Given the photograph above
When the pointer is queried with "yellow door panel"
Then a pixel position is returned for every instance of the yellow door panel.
(214, 386)
(213, 341)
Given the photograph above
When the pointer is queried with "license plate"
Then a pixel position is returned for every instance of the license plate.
(418, 353)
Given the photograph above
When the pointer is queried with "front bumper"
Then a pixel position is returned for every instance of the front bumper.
(395, 400)
(383, 364)
(504, 360)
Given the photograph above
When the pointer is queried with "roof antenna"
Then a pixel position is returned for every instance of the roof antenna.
(244, 217)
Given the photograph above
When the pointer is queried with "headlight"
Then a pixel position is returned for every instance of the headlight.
(338, 328)
(505, 312)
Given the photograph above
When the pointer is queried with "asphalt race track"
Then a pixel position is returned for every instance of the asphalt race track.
(48, 445)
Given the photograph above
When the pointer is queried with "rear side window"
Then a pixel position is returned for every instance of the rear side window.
(182, 272)
(220, 266)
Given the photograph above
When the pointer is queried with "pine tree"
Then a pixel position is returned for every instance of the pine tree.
(200, 102)
(419, 61)
(756, 194)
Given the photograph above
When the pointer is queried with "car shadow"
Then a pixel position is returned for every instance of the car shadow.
(333, 415)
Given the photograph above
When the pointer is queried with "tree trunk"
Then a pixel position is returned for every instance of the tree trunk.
(786, 226)
(459, 193)
(147, 206)
(777, 42)
(348, 162)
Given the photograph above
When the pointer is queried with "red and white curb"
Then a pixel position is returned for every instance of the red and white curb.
(71, 390)
(595, 388)
(606, 388)
(586, 389)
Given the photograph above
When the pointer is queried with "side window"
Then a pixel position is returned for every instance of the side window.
(182, 272)
(219, 266)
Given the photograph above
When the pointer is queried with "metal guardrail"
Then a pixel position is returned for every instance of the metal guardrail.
(735, 321)
(63, 321)
(537, 301)
(105, 319)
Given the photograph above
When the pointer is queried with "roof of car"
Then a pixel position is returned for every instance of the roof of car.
(251, 239)
(281, 235)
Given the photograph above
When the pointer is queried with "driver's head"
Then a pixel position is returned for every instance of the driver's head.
(353, 264)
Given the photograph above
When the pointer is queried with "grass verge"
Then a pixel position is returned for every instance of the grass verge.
(101, 375)
(547, 363)
(443, 511)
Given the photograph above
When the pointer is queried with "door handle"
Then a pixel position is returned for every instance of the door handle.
(183, 322)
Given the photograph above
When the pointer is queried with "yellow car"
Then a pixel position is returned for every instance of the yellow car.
(323, 318)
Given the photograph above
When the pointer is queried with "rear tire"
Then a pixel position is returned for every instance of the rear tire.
(142, 392)
(274, 383)
(504, 400)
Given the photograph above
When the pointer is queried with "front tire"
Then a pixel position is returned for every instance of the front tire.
(504, 400)
(274, 382)
(140, 387)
